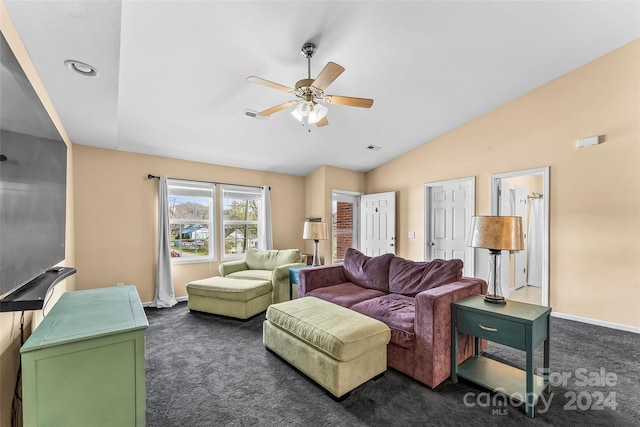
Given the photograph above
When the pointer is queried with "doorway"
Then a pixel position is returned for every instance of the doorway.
(449, 207)
(366, 222)
(525, 193)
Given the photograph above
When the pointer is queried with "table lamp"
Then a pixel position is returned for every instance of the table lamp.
(496, 233)
(315, 231)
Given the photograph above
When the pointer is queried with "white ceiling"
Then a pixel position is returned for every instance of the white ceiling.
(172, 73)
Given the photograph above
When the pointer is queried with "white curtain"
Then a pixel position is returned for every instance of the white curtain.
(266, 237)
(534, 249)
(165, 295)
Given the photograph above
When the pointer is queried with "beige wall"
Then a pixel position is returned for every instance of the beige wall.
(116, 215)
(594, 191)
(319, 185)
(10, 322)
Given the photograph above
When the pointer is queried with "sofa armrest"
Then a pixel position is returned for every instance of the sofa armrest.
(232, 266)
(319, 277)
(280, 281)
(433, 329)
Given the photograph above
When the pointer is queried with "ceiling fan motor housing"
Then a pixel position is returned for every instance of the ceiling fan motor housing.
(308, 49)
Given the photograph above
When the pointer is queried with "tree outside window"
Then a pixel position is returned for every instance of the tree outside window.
(240, 212)
(191, 220)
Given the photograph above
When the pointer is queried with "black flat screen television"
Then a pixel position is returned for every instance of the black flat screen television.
(33, 172)
(33, 175)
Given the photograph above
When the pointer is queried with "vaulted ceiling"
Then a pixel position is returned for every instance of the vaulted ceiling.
(172, 74)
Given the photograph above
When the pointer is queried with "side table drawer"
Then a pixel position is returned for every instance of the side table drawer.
(512, 334)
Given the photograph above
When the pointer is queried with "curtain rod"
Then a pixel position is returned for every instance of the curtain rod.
(151, 176)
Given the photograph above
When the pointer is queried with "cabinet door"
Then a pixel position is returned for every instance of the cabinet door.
(93, 382)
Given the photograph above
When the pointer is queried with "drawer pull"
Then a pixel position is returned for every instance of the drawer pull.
(488, 329)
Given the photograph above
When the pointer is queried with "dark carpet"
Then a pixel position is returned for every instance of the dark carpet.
(207, 370)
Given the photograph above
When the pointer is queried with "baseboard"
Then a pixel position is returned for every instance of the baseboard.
(596, 322)
(179, 299)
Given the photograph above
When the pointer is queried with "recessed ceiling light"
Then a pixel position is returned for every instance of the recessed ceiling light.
(81, 68)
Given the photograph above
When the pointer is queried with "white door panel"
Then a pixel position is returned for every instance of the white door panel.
(378, 222)
(450, 206)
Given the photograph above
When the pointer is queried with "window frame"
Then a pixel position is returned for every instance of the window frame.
(211, 222)
(257, 191)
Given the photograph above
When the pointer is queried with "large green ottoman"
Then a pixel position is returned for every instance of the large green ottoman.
(336, 347)
(239, 298)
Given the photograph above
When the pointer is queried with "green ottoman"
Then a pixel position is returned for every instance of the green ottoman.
(239, 298)
(336, 347)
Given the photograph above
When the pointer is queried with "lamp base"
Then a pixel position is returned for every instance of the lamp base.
(495, 299)
(316, 259)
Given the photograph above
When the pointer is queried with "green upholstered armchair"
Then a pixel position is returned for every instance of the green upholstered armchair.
(272, 265)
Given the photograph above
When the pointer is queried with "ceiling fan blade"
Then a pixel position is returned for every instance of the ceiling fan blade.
(260, 81)
(329, 73)
(322, 122)
(277, 108)
(348, 100)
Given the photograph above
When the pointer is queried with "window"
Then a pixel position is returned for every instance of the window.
(191, 221)
(344, 223)
(241, 208)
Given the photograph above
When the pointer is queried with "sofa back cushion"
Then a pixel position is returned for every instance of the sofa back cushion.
(409, 278)
(368, 272)
(270, 259)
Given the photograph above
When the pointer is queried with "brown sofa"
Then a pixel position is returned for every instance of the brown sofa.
(412, 298)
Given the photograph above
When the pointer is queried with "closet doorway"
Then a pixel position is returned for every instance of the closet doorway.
(525, 193)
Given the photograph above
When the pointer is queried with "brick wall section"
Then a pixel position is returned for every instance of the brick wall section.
(343, 228)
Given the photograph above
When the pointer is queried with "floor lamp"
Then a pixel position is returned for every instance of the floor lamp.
(496, 233)
(315, 231)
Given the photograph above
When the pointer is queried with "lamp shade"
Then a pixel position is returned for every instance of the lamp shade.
(315, 230)
(503, 233)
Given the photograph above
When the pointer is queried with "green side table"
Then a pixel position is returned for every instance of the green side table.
(515, 324)
(294, 278)
(84, 363)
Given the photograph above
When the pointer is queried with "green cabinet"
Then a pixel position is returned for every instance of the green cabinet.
(517, 325)
(84, 363)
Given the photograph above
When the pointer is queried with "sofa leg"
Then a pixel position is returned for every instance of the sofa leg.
(341, 398)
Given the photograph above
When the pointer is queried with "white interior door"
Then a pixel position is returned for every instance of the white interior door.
(507, 208)
(378, 223)
(519, 258)
(450, 207)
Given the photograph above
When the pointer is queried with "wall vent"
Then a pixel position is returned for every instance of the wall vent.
(254, 115)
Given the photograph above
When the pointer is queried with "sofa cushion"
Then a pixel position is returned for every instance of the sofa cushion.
(368, 272)
(251, 274)
(344, 294)
(408, 277)
(270, 259)
(397, 312)
(229, 289)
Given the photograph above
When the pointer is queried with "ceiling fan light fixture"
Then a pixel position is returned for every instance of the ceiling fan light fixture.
(309, 112)
(318, 112)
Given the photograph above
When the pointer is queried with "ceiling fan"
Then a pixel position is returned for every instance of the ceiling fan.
(310, 93)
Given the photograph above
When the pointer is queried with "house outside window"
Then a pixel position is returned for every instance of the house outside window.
(345, 211)
(240, 212)
(191, 221)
